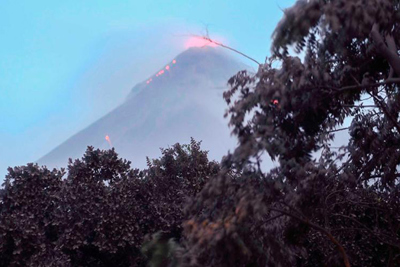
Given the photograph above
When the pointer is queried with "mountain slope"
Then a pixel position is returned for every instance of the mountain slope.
(182, 100)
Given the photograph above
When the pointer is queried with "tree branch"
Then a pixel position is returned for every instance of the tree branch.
(392, 58)
(338, 130)
(355, 87)
(384, 109)
(321, 229)
(230, 48)
(368, 230)
(256, 226)
(378, 176)
(360, 106)
(391, 43)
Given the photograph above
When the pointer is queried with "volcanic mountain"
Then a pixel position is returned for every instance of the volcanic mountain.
(182, 100)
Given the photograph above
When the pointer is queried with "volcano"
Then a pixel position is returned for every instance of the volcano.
(181, 100)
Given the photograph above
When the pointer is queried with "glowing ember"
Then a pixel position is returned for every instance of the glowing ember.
(109, 140)
(167, 67)
(173, 61)
(198, 42)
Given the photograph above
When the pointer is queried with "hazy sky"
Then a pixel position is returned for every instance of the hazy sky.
(64, 64)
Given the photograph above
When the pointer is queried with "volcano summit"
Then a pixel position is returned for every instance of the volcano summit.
(183, 99)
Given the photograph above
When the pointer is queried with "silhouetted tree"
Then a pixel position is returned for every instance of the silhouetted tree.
(100, 214)
(322, 206)
(29, 217)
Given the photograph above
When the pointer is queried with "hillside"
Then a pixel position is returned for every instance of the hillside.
(182, 99)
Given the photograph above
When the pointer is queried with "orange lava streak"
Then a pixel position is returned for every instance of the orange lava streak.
(109, 140)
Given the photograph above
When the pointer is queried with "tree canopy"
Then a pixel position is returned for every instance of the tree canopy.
(100, 214)
(335, 66)
(322, 205)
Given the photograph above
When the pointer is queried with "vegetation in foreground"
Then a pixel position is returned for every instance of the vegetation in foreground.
(339, 208)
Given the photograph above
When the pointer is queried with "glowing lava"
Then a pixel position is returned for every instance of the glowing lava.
(109, 141)
(198, 42)
(161, 72)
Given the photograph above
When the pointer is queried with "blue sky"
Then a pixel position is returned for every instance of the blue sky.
(63, 64)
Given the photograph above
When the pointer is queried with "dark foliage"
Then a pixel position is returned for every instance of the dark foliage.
(322, 206)
(101, 213)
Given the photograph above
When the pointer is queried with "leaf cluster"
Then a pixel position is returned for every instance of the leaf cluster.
(101, 212)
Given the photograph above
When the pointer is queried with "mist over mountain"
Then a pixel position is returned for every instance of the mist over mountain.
(182, 99)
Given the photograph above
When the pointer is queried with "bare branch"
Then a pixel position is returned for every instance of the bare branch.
(360, 106)
(338, 130)
(228, 47)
